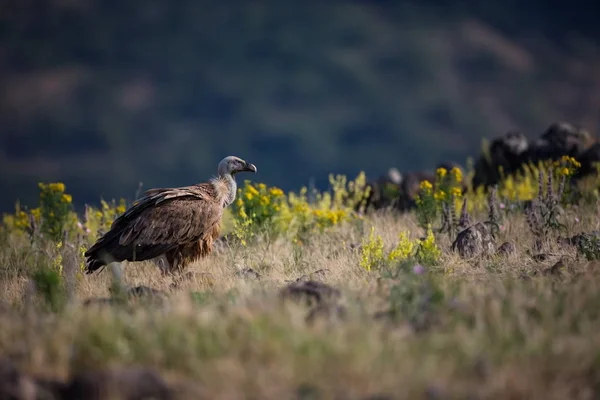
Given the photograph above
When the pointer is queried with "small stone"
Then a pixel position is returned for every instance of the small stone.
(310, 291)
(542, 257)
(507, 249)
(558, 269)
(474, 241)
(249, 273)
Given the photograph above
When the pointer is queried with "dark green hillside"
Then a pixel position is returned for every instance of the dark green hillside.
(104, 94)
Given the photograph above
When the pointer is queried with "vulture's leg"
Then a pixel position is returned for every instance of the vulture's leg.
(174, 258)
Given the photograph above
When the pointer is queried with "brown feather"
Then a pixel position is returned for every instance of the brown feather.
(182, 223)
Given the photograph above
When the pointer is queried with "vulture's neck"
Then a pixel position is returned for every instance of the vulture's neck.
(229, 195)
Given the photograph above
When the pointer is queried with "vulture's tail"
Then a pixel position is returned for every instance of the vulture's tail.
(107, 250)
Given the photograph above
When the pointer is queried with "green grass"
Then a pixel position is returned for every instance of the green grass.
(483, 328)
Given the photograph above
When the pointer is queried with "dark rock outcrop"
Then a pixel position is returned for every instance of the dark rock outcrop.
(474, 241)
(506, 152)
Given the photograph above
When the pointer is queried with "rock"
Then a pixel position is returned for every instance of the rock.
(310, 292)
(474, 241)
(397, 191)
(117, 383)
(384, 189)
(507, 249)
(14, 385)
(327, 312)
(249, 273)
(557, 269)
(559, 139)
(588, 159)
(507, 151)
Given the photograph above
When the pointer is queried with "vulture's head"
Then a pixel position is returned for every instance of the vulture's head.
(231, 165)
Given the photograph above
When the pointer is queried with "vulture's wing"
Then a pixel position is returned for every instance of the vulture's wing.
(159, 221)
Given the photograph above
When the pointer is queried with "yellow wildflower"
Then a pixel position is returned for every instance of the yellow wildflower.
(457, 174)
(57, 187)
(571, 160)
(441, 172)
(439, 195)
(249, 195)
(252, 190)
(66, 198)
(37, 213)
(426, 185)
(276, 192)
(456, 191)
(262, 186)
(403, 250)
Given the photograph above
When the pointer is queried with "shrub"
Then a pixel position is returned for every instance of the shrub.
(428, 252)
(372, 253)
(260, 208)
(98, 220)
(424, 250)
(426, 204)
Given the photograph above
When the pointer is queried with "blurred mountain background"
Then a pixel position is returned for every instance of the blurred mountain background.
(102, 95)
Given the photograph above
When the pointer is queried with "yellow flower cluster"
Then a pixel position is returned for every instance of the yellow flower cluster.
(428, 251)
(457, 175)
(403, 250)
(524, 185)
(433, 197)
(327, 218)
(371, 253)
(57, 187)
(19, 221)
(100, 219)
(566, 166)
(439, 195)
(426, 186)
(258, 205)
(373, 256)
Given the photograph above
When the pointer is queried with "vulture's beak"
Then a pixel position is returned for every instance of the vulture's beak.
(250, 167)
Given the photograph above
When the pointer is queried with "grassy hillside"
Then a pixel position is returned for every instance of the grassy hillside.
(394, 309)
(103, 95)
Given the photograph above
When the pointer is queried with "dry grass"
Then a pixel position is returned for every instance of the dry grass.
(495, 327)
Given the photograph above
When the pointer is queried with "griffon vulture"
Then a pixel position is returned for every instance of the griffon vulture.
(181, 223)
